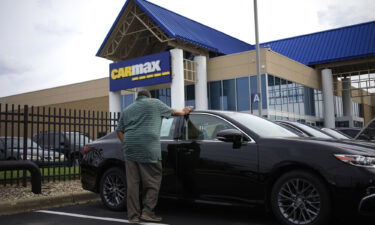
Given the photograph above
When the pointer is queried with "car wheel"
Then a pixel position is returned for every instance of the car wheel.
(113, 189)
(300, 197)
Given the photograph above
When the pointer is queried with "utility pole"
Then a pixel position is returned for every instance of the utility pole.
(259, 78)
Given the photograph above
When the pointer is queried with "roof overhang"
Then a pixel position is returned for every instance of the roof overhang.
(135, 33)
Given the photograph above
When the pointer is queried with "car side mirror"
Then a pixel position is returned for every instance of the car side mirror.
(231, 135)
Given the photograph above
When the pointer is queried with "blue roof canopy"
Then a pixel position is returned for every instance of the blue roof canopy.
(322, 47)
(328, 46)
(180, 27)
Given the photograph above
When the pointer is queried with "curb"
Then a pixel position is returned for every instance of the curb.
(45, 202)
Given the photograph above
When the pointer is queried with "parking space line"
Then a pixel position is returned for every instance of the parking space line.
(93, 217)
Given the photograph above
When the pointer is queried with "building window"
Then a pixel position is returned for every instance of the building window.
(243, 94)
(126, 100)
(190, 95)
(163, 95)
(229, 95)
(318, 101)
(215, 95)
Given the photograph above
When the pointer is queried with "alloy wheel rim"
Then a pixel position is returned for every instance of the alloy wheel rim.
(114, 190)
(299, 201)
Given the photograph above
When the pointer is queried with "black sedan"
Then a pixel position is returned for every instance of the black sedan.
(237, 158)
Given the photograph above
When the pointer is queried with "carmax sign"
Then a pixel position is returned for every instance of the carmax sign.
(140, 72)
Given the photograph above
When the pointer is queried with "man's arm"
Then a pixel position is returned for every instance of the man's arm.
(120, 136)
(183, 112)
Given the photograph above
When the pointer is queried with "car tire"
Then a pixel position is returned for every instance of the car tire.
(300, 197)
(113, 189)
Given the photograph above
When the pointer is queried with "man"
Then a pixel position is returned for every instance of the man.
(139, 131)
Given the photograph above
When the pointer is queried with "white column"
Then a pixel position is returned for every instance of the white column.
(346, 98)
(328, 102)
(177, 86)
(115, 101)
(201, 96)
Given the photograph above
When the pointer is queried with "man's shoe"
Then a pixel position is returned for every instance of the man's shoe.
(150, 217)
(134, 220)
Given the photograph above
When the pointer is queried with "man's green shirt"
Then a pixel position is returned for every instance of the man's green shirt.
(141, 123)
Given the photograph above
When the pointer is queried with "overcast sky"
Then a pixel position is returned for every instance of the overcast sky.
(49, 43)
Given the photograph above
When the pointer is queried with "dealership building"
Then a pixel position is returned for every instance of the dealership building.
(325, 78)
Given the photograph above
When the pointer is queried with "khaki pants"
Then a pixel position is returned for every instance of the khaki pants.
(148, 175)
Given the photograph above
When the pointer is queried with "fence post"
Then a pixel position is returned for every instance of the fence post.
(25, 135)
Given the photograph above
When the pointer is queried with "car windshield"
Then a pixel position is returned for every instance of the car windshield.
(313, 131)
(77, 138)
(262, 127)
(335, 133)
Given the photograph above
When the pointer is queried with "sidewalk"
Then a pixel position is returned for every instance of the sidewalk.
(18, 199)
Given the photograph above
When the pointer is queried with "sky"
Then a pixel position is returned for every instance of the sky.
(50, 43)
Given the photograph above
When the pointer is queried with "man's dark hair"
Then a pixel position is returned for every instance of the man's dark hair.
(144, 93)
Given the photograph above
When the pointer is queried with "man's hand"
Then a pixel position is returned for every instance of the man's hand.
(187, 109)
(182, 112)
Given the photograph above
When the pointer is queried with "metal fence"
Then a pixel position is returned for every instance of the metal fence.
(53, 138)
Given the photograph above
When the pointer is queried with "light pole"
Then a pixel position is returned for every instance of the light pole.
(259, 79)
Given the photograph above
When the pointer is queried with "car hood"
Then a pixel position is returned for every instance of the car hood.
(368, 132)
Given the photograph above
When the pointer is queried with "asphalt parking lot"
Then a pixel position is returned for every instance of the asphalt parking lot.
(173, 213)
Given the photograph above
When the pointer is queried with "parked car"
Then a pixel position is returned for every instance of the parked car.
(314, 132)
(336, 133)
(238, 158)
(305, 129)
(350, 131)
(12, 148)
(69, 143)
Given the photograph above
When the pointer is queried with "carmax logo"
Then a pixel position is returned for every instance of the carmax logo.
(137, 71)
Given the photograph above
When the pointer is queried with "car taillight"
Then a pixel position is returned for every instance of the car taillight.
(87, 149)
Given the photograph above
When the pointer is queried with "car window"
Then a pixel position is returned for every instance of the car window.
(76, 138)
(17, 143)
(57, 140)
(293, 129)
(204, 127)
(260, 126)
(167, 128)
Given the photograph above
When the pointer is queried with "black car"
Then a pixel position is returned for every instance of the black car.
(69, 143)
(12, 148)
(238, 158)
